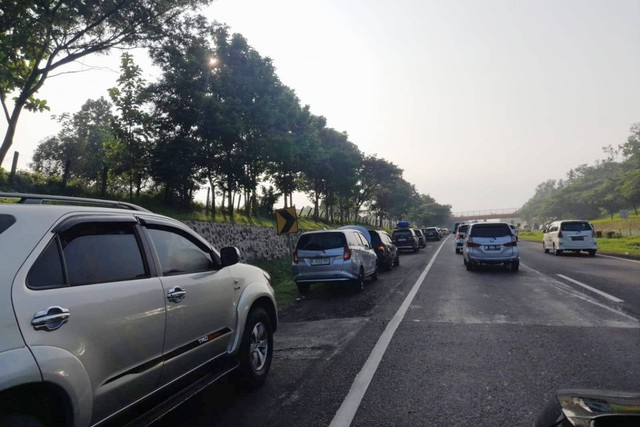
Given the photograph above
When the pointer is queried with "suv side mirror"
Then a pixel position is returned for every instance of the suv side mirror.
(229, 255)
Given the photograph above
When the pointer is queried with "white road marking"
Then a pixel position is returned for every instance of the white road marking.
(597, 291)
(619, 258)
(351, 402)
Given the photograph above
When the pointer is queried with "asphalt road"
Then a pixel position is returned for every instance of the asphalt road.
(487, 347)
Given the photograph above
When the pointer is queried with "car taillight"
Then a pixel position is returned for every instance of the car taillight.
(347, 253)
(295, 257)
(593, 233)
(560, 234)
(457, 235)
(381, 248)
(513, 242)
(472, 244)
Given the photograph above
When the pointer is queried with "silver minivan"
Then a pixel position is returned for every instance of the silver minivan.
(333, 256)
(490, 243)
(570, 235)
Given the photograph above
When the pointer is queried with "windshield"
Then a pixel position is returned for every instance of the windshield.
(321, 242)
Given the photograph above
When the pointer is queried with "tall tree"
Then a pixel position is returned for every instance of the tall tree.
(37, 37)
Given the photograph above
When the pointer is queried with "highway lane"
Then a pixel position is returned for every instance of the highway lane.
(474, 348)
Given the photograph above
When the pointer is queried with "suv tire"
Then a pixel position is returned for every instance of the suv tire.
(396, 262)
(592, 252)
(358, 284)
(19, 420)
(515, 265)
(545, 248)
(256, 349)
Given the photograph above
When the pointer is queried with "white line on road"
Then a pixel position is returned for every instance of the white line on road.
(597, 291)
(619, 258)
(360, 384)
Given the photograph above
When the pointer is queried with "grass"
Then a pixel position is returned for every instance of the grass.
(624, 245)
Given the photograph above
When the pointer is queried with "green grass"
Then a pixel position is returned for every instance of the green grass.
(281, 279)
(625, 245)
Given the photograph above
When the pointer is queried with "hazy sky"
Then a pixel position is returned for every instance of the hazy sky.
(477, 101)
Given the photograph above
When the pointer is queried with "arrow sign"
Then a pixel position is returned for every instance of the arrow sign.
(287, 220)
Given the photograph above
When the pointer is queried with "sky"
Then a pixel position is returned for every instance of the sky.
(477, 101)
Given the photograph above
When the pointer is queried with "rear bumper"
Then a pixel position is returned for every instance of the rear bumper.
(338, 276)
(500, 260)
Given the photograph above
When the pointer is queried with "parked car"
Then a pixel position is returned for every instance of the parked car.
(333, 256)
(431, 233)
(388, 254)
(514, 230)
(490, 243)
(460, 235)
(570, 235)
(422, 242)
(405, 239)
(109, 310)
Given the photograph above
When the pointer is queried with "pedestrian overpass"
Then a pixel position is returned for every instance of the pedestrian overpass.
(509, 215)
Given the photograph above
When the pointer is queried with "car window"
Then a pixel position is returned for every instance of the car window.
(575, 226)
(463, 228)
(92, 253)
(321, 241)
(376, 238)
(490, 230)
(402, 233)
(177, 253)
(6, 221)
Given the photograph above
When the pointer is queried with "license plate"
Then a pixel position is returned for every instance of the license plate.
(320, 261)
(578, 238)
(402, 240)
(492, 248)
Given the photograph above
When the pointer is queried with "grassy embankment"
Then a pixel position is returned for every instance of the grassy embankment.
(621, 241)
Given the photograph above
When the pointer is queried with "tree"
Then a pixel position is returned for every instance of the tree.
(78, 151)
(131, 156)
(39, 37)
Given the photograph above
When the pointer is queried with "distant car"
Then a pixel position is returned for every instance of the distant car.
(514, 230)
(333, 256)
(460, 235)
(490, 243)
(405, 239)
(388, 254)
(570, 235)
(108, 311)
(422, 241)
(431, 233)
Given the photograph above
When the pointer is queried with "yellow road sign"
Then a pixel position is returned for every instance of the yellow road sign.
(287, 220)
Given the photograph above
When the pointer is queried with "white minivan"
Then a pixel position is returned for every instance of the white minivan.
(570, 235)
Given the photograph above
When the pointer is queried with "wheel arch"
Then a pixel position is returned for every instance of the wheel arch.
(46, 401)
(253, 296)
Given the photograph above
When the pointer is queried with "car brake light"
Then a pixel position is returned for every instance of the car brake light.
(560, 234)
(513, 242)
(381, 248)
(472, 244)
(295, 257)
(347, 253)
(457, 235)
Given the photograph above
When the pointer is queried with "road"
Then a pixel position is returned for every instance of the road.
(457, 347)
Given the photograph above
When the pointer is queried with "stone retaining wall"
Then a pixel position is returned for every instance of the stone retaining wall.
(254, 242)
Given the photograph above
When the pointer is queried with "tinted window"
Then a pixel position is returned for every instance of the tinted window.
(6, 221)
(463, 228)
(321, 241)
(178, 254)
(102, 252)
(46, 272)
(376, 238)
(490, 230)
(403, 233)
(575, 226)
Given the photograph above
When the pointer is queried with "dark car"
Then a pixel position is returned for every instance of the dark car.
(388, 254)
(405, 239)
(431, 233)
(422, 242)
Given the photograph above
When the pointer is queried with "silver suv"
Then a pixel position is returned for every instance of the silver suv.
(333, 256)
(490, 243)
(109, 314)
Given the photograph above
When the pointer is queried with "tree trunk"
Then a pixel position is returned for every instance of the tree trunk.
(67, 173)
(11, 129)
(103, 185)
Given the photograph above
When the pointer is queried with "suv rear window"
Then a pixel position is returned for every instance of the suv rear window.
(575, 226)
(403, 233)
(463, 228)
(321, 241)
(490, 230)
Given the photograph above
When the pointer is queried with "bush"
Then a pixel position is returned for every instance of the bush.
(598, 233)
(612, 234)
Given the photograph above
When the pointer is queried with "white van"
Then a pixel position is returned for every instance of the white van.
(570, 235)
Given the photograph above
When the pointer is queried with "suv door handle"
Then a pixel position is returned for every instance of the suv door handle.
(50, 319)
(176, 294)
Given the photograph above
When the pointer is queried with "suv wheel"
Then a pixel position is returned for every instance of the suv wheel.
(303, 288)
(358, 284)
(374, 276)
(256, 349)
(396, 262)
(592, 252)
(469, 266)
(556, 251)
(515, 265)
(545, 248)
